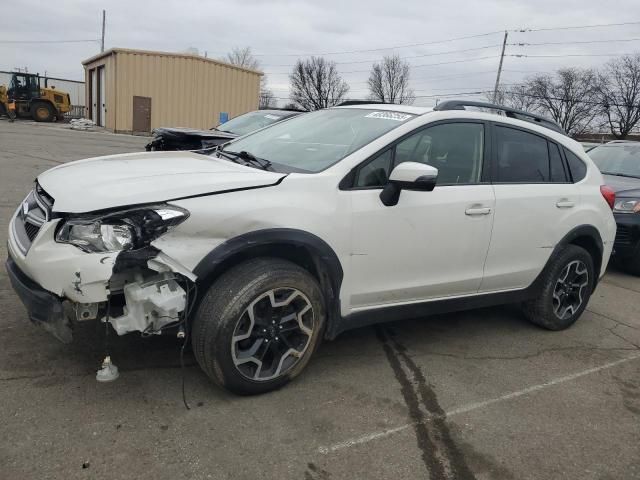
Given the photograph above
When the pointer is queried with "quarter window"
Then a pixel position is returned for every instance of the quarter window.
(522, 157)
(376, 172)
(576, 166)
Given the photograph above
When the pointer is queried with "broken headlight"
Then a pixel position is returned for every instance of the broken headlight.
(124, 230)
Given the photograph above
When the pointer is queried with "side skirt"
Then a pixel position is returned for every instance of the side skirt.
(424, 309)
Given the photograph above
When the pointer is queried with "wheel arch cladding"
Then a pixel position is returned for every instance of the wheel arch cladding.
(587, 237)
(298, 246)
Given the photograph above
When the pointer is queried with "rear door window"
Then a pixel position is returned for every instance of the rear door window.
(522, 157)
(558, 173)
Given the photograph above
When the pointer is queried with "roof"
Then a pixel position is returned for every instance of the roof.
(392, 108)
(116, 50)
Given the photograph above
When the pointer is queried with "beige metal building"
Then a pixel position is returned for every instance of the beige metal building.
(135, 91)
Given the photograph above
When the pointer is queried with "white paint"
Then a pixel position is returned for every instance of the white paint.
(476, 405)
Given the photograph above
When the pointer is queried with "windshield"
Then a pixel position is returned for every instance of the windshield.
(316, 140)
(617, 159)
(249, 122)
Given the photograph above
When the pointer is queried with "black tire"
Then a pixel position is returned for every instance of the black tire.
(542, 310)
(224, 310)
(42, 112)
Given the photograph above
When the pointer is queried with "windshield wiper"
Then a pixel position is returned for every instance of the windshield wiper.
(620, 174)
(247, 157)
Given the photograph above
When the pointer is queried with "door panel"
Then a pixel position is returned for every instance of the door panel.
(427, 246)
(527, 225)
(532, 212)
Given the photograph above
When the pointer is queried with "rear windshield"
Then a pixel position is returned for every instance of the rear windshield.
(316, 140)
(617, 159)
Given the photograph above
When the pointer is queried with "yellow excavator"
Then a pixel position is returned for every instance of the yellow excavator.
(27, 98)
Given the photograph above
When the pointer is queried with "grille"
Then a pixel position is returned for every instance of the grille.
(31, 215)
(623, 236)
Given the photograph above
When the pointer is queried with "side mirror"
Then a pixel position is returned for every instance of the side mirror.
(408, 176)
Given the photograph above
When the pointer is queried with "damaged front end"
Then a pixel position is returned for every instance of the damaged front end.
(112, 273)
(147, 293)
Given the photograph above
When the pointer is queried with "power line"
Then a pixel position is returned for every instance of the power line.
(522, 55)
(412, 66)
(435, 42)
(574, 42)
(401, 58)
(574, 27)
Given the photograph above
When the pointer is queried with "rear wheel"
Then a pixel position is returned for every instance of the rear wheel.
(567, 286)
(258, 325)
(42, 112)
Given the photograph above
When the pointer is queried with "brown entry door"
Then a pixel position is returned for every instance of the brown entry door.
(142, 114)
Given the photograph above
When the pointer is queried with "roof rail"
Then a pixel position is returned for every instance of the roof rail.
(509, 112)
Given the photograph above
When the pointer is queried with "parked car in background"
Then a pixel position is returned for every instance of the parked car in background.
(589, 145)
(167, 138)
(332, 220)
(619, 162)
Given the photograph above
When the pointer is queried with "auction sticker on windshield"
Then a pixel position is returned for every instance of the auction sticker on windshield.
(398, 117)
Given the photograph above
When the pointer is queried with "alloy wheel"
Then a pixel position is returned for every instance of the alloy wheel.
(570, 290)
(272, 334)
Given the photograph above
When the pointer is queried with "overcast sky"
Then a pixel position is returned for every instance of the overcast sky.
(279, 31)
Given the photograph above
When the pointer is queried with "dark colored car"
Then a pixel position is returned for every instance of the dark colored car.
(167, 138)
(619, 162)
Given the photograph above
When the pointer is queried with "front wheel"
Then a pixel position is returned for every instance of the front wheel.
(42, 112)
(258, 325)
(567, 286)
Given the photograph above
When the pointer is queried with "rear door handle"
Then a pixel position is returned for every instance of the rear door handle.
(473, 211)
(565, 203)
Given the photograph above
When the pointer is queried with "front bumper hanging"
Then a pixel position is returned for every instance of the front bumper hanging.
(44, 307)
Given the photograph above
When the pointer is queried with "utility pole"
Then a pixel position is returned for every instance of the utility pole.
(504, 46)
(102, 41)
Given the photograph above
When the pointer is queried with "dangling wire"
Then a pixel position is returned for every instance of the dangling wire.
(191, 295)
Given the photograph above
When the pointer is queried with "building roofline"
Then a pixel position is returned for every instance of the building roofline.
(117, 50)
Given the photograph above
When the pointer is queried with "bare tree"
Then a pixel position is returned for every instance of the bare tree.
(619, 94)
(316, 84)
(243, 57)
(267, 100)
(569, 97)
(389, 81)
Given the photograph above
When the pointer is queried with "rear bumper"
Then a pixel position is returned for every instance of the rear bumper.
(627, 242)
(44, 308)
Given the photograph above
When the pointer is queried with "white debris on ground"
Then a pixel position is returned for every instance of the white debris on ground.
(81, 124)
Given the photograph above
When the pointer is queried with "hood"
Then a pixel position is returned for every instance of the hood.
(136, 178)
(623, 186)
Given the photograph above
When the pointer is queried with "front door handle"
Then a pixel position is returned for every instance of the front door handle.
(473, 211)
(565, 203)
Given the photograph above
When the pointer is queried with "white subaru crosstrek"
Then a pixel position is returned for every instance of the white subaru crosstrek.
(332, 220)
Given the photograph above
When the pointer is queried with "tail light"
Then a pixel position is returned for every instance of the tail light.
(608, 194)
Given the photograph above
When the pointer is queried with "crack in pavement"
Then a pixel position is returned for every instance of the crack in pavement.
(521, 357)
(615, 320)
(440, 454)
